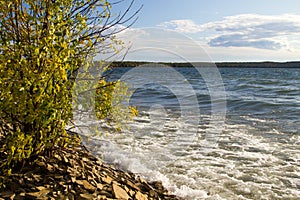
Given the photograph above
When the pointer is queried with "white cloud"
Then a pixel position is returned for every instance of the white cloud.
(247, 30)
(158, 44)
(182, 26)
(130, 33)
(256, 40)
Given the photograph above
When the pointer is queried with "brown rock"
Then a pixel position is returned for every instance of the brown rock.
(119, 192)
(104, 193)
(158, 185)
(49, 167)
(107, 179)
(88, 186)
(73, 162)
(152, 193)
(79, 182)
(144, 187)
(18, 197)
(94, 170)
(81, 163)
(41, 164)
(58, 177)
(22, 194)
(6, 194)
(37, 178)
(73, 179)
(97, 176)
(62, 183)
(39, 188)
(76, 178)
(131, 193)
(133, 186)
(101, 197)
(85, 197)
(58, 157)
(99, 186)
(98, 162)
(39, 194)
(142, 180)
(140, 196)
(71, 196)
(65, 159)
(126, 189)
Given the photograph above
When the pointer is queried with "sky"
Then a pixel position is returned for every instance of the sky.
(214, 30)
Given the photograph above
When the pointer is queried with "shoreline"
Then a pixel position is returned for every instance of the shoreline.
(74, 173)
(267, 64)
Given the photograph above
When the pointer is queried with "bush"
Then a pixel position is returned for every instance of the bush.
(43, 44)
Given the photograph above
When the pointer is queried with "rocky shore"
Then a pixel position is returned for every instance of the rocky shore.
(73, 173)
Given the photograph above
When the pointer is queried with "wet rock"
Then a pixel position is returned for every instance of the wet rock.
(153, 194)
(144, 187)
(158, 185)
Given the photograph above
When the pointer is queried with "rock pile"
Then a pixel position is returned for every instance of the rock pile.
(74, 173)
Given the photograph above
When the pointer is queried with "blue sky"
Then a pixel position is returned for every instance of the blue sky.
(225, 30)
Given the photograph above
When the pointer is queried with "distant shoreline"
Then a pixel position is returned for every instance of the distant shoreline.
(292, 64)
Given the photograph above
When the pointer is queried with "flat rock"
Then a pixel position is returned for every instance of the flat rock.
(39, 194)
(86, 197)
(107, 179)
(100, 186)
(88, 186)
(133, 186)
(79, 182)
(140, 196)
(40, 188)
(119, 192)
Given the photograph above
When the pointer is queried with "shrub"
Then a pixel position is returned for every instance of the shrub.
(43, 44)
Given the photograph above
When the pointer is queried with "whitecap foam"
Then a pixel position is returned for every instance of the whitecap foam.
(207, 168)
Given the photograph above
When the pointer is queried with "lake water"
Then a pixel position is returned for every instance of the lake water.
(253, 154)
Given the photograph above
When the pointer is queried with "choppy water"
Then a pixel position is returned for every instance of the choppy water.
(255, 155)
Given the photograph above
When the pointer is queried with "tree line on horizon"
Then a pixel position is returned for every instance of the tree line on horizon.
(293, 64)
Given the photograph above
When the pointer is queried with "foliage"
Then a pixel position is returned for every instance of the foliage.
(43, 44)
(109, 102)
